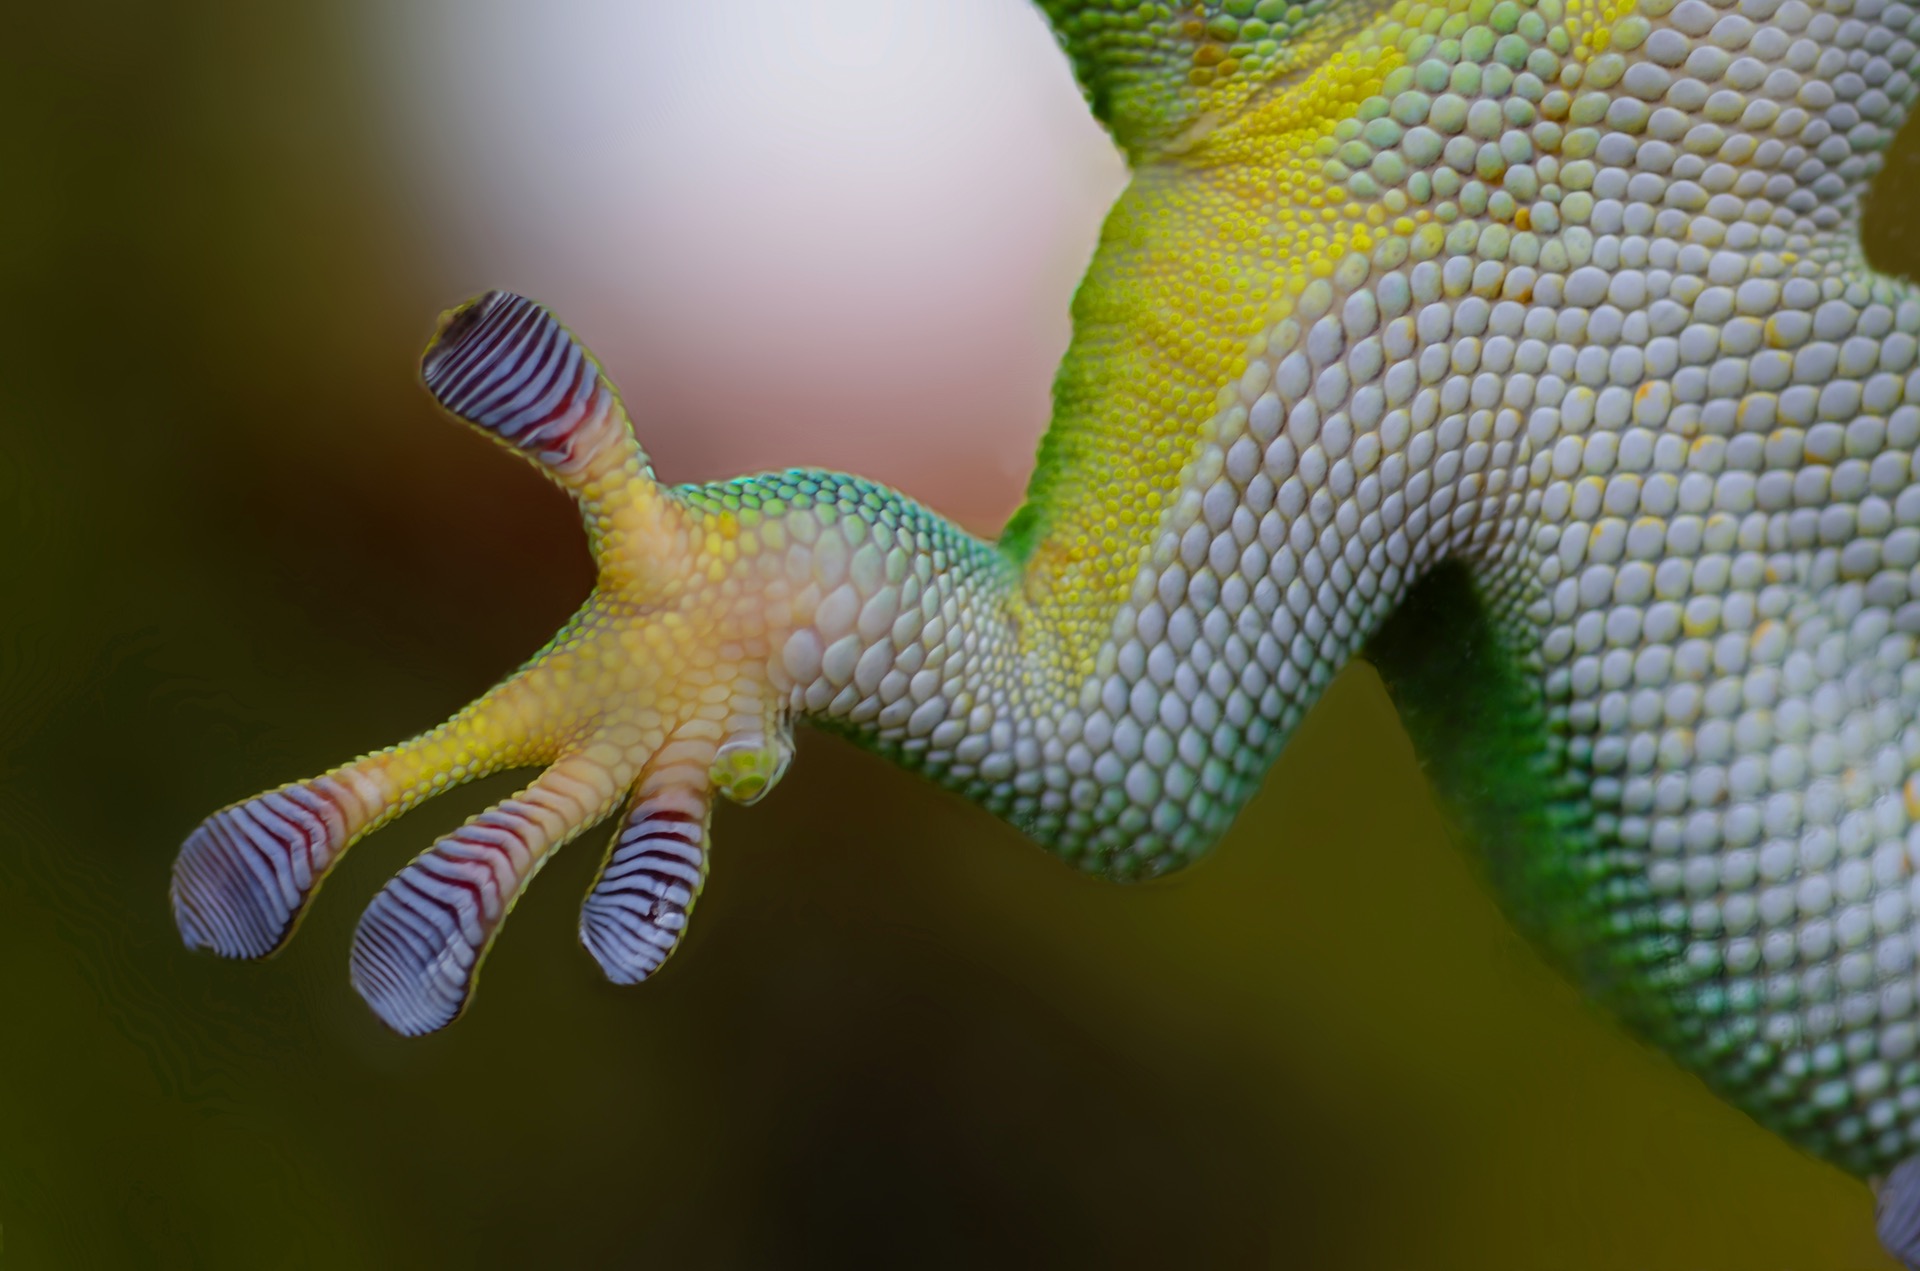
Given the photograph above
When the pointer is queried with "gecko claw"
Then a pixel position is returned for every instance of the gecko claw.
(749, 766)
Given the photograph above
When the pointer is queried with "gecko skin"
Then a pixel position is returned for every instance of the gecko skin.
(1527, 348)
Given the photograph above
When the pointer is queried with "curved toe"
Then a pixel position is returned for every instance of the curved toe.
(244, 876)
(407, 960)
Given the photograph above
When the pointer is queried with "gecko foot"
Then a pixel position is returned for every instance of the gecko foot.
(656, 695)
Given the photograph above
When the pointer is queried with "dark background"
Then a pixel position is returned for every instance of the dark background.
(238, 546)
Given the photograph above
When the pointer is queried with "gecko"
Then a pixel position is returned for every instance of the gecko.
(1524, 347)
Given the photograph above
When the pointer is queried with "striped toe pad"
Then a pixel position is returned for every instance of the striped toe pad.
(505, 365)
(633, 917)
(1897, 1212)
(420, 943)
(245, 875)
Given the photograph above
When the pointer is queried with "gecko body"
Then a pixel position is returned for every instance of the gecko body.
(1527, 348)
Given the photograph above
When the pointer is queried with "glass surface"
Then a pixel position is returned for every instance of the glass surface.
(238, 545)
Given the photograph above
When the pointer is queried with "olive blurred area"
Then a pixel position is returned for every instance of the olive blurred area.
(237, 545)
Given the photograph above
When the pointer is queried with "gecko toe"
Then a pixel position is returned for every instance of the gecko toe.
(246, 874)
(1897, 1212)
(418, 950)
(411, 962)
(634, 916)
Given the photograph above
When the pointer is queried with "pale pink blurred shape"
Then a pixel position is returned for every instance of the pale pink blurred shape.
(838, 233)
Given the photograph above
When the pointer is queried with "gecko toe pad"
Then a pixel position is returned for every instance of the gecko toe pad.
(246, 874)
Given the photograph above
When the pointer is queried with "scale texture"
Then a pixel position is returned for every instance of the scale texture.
(1527, 348)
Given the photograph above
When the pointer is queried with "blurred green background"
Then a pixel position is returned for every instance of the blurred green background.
(237, 546)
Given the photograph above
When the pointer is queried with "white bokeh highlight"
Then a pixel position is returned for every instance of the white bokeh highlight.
(842, 233)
